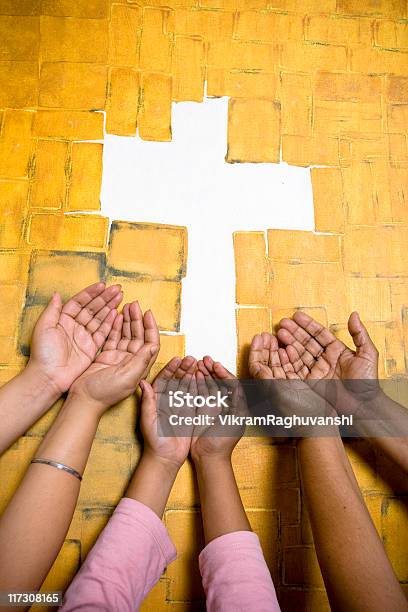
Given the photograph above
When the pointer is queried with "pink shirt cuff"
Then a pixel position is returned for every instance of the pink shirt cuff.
(235, 575)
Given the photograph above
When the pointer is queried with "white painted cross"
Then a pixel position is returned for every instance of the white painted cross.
(187, 182)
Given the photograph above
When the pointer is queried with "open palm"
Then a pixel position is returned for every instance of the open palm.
(127, 356)
(322, 356)
(284, 377)
(67, 337)
(217, 440)
(160, 437)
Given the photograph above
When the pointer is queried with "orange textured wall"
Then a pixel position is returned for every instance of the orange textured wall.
(317, 83)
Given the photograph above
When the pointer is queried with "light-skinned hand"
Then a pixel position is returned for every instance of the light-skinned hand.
(68, 336)
(126, 358)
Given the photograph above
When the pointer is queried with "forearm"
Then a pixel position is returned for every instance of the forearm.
(35, 523)
(221, 506)
(152, 482)
(385, 423)
(23, 401)
(340, 523)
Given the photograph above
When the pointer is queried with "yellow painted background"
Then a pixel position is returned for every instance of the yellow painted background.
(316, 82)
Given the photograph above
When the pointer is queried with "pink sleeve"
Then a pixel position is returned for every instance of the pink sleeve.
(235, 575)
(125, 563)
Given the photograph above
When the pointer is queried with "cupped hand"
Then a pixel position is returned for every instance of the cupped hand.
(284, 378)
(161, 438)
(126, 358)
(322, 356)
(67, 337)
(210, 440)
(267, 361)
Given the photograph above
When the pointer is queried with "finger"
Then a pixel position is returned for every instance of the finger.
(188, 368)
(296, 362)
(115, 334)
(151, 330)
(165, 380)
(126, 333)
(222, 373)
(151, 335)
(256, 350)
(285, 361)
(185, 364)
(320, 333)
(257, 364)
(137, 366)
(202, 388)
(208, 363)
(88, 311)
(303, 337)
(365, 347)
(136, 327)
(209, 374)
(51, 314)
(75, 304)
(274, 359)
(266, 339)
(287, 338)
(148, 404)
(202, 368)
(100, 316)
(105, 328)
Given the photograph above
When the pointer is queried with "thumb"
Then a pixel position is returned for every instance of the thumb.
(362, 341)
(50, 316)
(138, 366)
(148, 405)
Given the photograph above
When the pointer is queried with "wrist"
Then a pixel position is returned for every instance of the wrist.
(205, 461)
(81, 408)
(167, 467)
(38, 382)
(78, 397)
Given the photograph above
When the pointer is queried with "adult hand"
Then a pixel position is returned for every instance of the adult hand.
(161, 439)
(126, 358)
(208, 440)
(283, 376)
(323, 357)
(67, 337)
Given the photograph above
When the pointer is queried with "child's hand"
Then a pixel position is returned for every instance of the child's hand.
(175, 445)
(208, 441)
(67, 337)
(127, 356)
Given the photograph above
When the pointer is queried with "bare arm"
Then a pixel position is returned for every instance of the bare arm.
(23, 400)
(221, 506)
(361, 580)
(385, 423)
(35, 523)
(47, 496)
